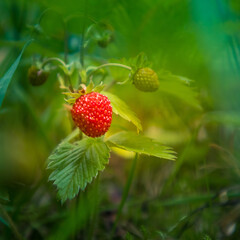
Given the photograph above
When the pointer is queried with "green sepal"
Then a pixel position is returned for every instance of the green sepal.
(99, 87)
(74, 95)
(83, 75)
(90, 87)
(70, 100)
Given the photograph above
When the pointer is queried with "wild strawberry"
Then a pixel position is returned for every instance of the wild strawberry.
(92, 113)
(145, 79)
(37, 76)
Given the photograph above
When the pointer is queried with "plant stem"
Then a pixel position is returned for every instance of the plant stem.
(58, 60)
(110, 65)
(52, 60)
(125, 192)
(80, 135)
(11, 223)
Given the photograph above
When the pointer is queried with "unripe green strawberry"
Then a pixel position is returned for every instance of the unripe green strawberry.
(104, 41)
(37, 76)
(146, 80)
(104, 34)
(92, 113)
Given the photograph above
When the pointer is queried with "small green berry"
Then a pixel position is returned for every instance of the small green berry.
(105, 35)
(146, 80)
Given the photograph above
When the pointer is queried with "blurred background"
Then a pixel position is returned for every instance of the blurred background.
(196, 197)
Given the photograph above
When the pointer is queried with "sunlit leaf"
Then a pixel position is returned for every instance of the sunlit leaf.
(121, 108)
(132, 142)
(73, 166)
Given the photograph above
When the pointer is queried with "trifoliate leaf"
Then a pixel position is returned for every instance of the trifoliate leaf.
(121, 108)
(73, 166)
(132, 142)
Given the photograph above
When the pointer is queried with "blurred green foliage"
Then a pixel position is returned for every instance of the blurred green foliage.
(196, 197)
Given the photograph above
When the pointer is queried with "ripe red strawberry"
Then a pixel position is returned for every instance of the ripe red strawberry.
(92, 113)
(145, 79)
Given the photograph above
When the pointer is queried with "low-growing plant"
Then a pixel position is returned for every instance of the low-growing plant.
(86, 85)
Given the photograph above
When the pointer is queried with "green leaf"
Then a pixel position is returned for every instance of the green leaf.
(121, 108)
(90, 87)
(6, 79)
(178, 86)
(75, 165)
(132, 142)
(70, 100)
(64, 69)
(99, 87)
(74, 95)
(121, 75)
(61, 81)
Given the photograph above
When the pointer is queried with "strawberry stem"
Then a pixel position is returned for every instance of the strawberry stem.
(49, 60)
(110, 65)
(64, 68)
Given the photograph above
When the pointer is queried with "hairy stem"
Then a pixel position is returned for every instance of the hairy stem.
(110, 65)
(53, 59)
(61, 62)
